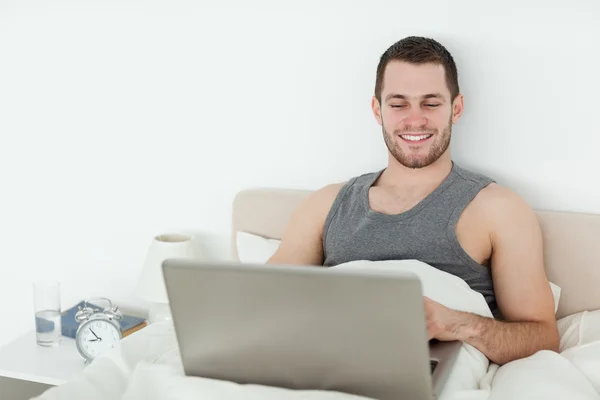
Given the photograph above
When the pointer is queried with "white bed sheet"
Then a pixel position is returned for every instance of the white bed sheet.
(147, 364)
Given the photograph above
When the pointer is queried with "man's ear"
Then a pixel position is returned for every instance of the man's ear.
(376, 107)
(457, 108)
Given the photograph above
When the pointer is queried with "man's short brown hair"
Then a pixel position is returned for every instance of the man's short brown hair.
(419, 50)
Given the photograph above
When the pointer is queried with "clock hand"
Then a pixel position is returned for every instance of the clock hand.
(97, 338)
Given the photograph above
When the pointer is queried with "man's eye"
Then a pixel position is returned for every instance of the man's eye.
(396, 106)
(432, 105)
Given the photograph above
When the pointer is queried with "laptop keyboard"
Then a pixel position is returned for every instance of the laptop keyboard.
(433, 364)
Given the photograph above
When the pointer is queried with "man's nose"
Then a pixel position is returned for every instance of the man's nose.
(415, 118)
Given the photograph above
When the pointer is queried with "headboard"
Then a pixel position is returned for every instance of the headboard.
(571, 242)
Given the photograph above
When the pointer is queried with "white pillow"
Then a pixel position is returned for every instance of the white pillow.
(590, 327)
(569, 331)
(556, 294)
(255, 249)
(579, 329)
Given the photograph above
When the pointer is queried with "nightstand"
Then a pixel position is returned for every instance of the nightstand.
(27, 370)
(24, 360)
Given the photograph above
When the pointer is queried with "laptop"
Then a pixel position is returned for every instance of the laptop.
(306, 328)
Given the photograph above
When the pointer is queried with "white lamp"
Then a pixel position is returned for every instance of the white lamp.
(151, 285)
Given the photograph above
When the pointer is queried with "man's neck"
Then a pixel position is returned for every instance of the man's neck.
(399, 176)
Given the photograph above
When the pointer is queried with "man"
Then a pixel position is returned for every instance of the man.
(423, 206)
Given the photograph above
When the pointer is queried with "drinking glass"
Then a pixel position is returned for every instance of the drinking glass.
(46, 299)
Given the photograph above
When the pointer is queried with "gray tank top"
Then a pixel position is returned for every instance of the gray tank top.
(426, 232)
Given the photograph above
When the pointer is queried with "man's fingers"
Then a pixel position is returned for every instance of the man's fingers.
(430, 332)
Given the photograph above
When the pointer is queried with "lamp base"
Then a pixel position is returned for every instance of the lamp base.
(159, 312)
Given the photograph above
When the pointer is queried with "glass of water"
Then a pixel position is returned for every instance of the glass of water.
(46, 299)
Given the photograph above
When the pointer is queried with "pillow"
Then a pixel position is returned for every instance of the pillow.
(579, 329)
(590, 327)
(255, 249)
(569, 331)
(556, 294)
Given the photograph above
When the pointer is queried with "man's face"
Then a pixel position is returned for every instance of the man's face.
(416, 112)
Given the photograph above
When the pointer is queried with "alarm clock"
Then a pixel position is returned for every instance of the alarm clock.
(99, 329)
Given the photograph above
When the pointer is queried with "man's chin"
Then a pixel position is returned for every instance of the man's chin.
(416, 163)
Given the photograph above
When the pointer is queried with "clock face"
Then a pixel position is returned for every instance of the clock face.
(97, 336)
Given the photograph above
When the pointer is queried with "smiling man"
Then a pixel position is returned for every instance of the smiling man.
(424, 206)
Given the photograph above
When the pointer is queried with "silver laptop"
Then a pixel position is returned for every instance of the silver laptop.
(310, 328)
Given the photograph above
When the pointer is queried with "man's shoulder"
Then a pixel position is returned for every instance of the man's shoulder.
(329, 192)
(499, 204)
(493, 197)
(322, 199)
(472, 176)
(502, 197)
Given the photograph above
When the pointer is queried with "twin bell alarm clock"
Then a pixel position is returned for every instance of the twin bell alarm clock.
(99, 329)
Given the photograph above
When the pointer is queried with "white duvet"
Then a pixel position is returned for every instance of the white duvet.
(147, 364)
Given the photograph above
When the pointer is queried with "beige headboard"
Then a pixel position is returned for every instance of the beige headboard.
(571, 242)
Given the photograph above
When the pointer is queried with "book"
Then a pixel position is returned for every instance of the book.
(129, 323)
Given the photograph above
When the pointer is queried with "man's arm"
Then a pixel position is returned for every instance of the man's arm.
(302, 241)
(522, 290)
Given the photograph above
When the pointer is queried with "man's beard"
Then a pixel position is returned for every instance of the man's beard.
(437, 148)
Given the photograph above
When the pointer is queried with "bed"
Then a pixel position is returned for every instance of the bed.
(571, 240)
(147, 364)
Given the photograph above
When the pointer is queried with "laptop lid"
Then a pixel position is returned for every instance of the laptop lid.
(301, 327)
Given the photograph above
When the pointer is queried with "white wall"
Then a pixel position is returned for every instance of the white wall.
(123, 119)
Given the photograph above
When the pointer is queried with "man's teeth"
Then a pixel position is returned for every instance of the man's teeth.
(415, 138)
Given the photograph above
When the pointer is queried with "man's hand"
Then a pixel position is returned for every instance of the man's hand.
(500, 341)
(436, 317)
(443, 323)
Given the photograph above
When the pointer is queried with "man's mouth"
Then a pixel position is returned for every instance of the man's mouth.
(416, 138)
